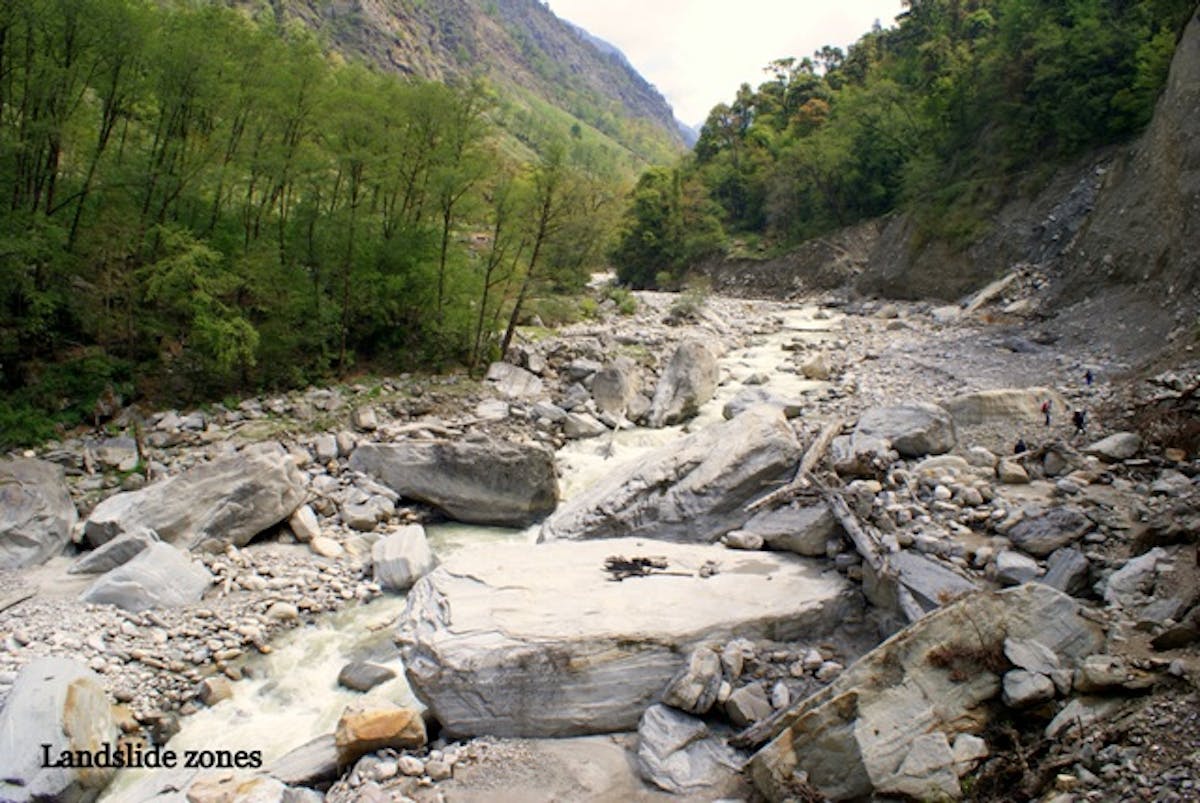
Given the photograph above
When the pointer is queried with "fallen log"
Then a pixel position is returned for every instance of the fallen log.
(802, 480)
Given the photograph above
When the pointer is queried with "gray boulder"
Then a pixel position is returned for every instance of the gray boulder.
(1121, 446)
(690, 379)
(514, 382)
(679, 753)
(797, 528)
(913, 430)
(859, 455)
(1068, 570)
(1012, 406)
(693, 490)
(228, 501)
(1129, 585)
(486, 482)
(161, 576)
(1046, 532)
(1013, 568)
(56, 704)
(122, 549)
(1023, 689)
(872, 730)
(930, 582)
(614, 386)
(36, 512)
(363, 676)
(401, 558)
(745, 399)
(563, 650)
(582, 425)
(119, 453)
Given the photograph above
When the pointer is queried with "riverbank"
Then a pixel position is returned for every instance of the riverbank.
(832, 362)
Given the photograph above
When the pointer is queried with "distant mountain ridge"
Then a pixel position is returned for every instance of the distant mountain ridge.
(520, 45)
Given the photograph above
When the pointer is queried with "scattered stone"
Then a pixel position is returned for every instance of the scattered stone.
(326, 547)
(402, 558)
(805, 530)
(582, 425)
(303, 524)
(679, 753)
(748, 705)
(694, 689)
(363, 676)
(215, 689)
(1069, 571)
(374, 725)
(1024, 689)
(1013, 568)
(365, 419)
(1011, 473)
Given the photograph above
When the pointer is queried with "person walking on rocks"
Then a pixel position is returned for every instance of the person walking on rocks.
(1046, 411)
(1079, 418)
(1021, 447)
(1089, 377)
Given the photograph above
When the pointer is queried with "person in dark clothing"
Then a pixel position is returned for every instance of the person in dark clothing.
(1046, 411)
(1020, 447)
(1079, 417)
(1089, 377)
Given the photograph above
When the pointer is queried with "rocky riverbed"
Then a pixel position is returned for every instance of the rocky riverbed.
(750, 498)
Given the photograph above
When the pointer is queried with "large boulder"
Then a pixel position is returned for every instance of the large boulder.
(1116, 447)
(122, 549)
(914, 430)
(1049, 531)
(511, 640)
(478, 482)
(803, 529)
(228, 501)
(690, 379)
(1015, 406)
(695, 489)
(160, 576)
(883, 725)
(56, 704)
(36, 512)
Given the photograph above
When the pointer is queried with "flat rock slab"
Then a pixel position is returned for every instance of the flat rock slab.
(514, 640)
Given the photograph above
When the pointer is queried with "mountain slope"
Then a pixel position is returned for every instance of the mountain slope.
(520, 45)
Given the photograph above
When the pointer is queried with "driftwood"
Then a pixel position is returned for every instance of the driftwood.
(803, 477)
(622, 568)
(864, 539)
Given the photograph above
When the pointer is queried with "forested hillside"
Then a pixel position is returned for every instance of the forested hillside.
(961, 105)
(198, 203)
(545, 70)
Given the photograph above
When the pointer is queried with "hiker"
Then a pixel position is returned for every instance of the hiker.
(1020, 447)
(1079, 417)
(1089, 377)
(1046, 411)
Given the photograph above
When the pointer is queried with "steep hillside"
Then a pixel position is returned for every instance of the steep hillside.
(520, 45)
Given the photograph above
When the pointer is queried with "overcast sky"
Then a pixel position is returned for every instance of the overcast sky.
(697, 52)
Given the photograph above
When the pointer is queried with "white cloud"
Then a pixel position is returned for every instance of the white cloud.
(697, 52)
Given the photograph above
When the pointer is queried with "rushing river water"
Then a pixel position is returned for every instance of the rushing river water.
(293, 696)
